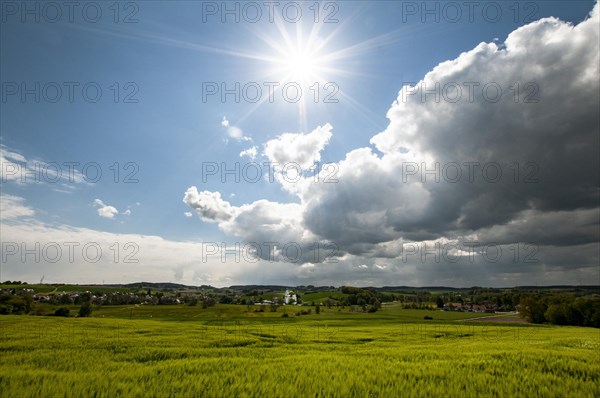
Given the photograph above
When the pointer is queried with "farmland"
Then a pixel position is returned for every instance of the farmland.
(230, 350)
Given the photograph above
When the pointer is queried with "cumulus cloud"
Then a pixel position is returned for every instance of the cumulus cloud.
(544, 150)
(105, 210)
(355, 212)
(250, 152)
(556, 228)
(301, 149)
(274, 229)
(293, 156)
(547, 131)
(208, 205)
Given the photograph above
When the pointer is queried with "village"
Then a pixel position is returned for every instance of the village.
(13, 296)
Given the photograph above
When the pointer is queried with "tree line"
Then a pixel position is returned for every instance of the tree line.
(561, 309)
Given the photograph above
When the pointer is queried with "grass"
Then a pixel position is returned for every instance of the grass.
(226, 352)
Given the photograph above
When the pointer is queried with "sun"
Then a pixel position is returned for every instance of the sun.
(298, 56)
(301, 66)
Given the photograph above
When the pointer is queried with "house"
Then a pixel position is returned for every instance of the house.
(454, 307)
(484, 308)
(41, 297)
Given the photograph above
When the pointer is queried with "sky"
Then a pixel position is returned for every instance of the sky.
(364, 143)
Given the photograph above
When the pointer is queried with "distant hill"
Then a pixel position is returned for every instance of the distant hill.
(302, 288)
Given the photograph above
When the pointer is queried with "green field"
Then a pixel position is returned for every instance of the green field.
(230, 312)
(225, 351)
(320, 296)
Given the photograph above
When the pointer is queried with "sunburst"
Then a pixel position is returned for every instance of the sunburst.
(296, 57)
(308, 58)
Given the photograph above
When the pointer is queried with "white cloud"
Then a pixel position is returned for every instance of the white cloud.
(208, 205)
(276, 227)
(105, 210)
(92, 256)
(234, 132)
(301, 149)
(6, 153)
(127, 212)
(188, 214)
(264, 221)
(14, 167)
(140, 257)
(13, 207)
(250, 152)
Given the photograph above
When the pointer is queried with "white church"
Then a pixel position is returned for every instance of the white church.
(289, 297)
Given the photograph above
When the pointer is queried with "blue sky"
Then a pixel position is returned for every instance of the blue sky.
(160, 132)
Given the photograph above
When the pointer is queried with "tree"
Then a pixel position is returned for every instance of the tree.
(62, 311)
(208, 302)
(329, 303)
(65, 299)
(533, 309)
(6, 309)
(317, 309)
(28, 302)
(507, 301)
(556, 314)
(18, 304)
(439, 301)
(86, 309)
(191, 301)
(249, 302)
(375, 303)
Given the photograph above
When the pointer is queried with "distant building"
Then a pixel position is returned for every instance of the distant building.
(289, 297)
